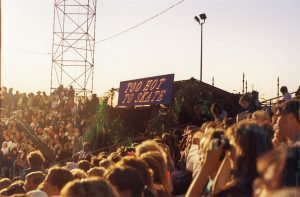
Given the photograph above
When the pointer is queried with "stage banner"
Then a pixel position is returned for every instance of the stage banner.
(146, 91)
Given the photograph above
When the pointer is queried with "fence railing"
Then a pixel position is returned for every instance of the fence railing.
(271, 101)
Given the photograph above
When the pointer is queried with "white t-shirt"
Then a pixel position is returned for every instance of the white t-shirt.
(287, 96)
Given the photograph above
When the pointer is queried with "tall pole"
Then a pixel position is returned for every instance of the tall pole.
(201, 52)
(278, 88)
(0, 46)
(201, 21)
(246, 87)
(243, 83)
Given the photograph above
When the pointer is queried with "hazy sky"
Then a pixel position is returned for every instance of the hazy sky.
(258, 37)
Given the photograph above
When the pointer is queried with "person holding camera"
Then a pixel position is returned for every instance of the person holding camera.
(234, 173)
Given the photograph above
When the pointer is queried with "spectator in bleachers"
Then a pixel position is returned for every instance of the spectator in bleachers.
(56, 179)
(119, 176)
(247, 109)
(96, 172)
(289, 122)
(35, 162)
(285, 93)
(95, 187)
(277, 169)
(237, 168)
(219, 114)
(84, 154)
(33, 180)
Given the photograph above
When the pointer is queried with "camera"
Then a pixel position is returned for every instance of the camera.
(218, 140)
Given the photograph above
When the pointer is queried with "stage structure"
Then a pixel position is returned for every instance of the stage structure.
(73, 45)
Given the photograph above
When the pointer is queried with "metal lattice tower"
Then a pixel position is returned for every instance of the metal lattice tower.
(73, 45)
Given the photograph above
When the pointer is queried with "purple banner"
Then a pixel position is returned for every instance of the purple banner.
(146, 91)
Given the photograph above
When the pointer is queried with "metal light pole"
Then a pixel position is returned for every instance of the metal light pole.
(201, 21)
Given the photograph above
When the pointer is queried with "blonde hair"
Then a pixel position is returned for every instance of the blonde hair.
(261, 117)
(79, 174)
(150, 146)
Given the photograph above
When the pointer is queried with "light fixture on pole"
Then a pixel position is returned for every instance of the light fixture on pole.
(201, 21)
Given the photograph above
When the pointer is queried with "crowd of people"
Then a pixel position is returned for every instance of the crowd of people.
(256, 153)
(56, 120)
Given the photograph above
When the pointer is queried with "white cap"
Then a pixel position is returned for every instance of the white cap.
(36, 193)
(72, 165)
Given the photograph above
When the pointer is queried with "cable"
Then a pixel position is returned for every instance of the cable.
(139, 24)
(120, 33)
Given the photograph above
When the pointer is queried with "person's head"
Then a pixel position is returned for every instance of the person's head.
(95, 187)
(36, 193)
(160, 160)
(216, 110)
(150, 145)
(96, 172)
(86, 146)
(245, 101)
(276, 111)
(95, 161)
(261, 117)
(105, 163)
(283, 89)
(35, 159)
(4, 145)
(248, 142)
(114, 157)
(141, 166)
(155, 167)
(33, 180)
(126, 180)
(56, 179)
(84, 165)
(15, 188)
(71, 165)
(4, 182)
(277, 169)
(288, 121)
(79, 174)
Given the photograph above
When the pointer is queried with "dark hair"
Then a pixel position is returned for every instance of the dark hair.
(35, 159)
(59, 177)
(114, 157)
(95, 161)
(4, 182)
(15, 188)
(291, 106)
(246, 97)
(126, 178)
(291, 171)
(216, 109)
(155, 167)
(283, 89)
(95, 187)
(141, 166)
(284, 163)
(84, 165)
(252, 141)
(37, 177)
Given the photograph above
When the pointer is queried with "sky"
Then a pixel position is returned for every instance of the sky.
(255, 37)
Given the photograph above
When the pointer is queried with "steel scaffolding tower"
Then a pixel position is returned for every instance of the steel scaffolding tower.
(73, 45)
